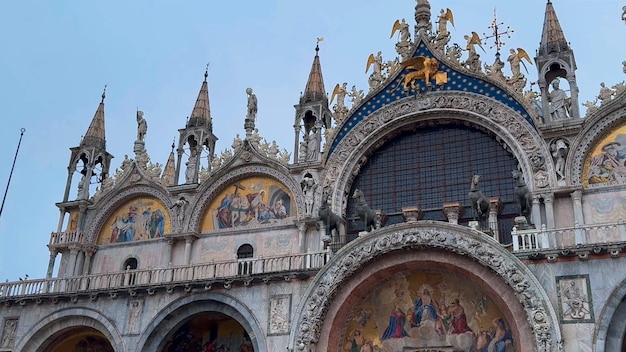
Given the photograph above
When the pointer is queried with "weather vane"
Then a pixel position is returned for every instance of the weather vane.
(497, 33)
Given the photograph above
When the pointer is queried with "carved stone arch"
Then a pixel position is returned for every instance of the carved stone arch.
(117, 199)
(562, 64)
(596, 128)
(153, 336)
(212, 190)
(537, 320)
(609, 332)
(512, 129)
(39, 334)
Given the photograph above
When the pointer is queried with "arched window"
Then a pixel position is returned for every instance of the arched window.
(431, 165)
(129, 265)
(245, 265)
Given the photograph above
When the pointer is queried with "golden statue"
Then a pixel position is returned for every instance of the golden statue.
(424, 68)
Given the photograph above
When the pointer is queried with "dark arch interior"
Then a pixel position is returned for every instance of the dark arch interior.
(80, 339)
(430, 165)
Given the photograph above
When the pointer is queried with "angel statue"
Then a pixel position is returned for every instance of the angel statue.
(445, 16)
(403, 47)
(515, 59)
(473, 61)
(403, 28)
(377, 76)
(339, 109)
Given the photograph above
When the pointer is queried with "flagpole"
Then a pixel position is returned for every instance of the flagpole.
(22, 130)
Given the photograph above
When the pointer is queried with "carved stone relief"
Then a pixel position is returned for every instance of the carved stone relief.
(279, 312)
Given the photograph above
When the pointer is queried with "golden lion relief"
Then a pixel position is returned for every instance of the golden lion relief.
(424, 68)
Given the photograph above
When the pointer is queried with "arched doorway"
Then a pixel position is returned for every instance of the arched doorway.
(80, 339)
(389, 270)
(209, 331)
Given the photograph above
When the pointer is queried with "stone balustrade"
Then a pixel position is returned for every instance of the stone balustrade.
(131, 279)
(66, 237)
(568, 237)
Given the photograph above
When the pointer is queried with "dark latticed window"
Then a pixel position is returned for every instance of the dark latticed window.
(245, 251)
(432, 165)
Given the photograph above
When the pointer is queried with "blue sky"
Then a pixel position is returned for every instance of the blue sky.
(58, 55)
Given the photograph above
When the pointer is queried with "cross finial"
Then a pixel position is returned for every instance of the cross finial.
(497, 32)
(206, 72)
(104, 93)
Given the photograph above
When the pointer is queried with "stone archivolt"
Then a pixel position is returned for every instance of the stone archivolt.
(427, 235)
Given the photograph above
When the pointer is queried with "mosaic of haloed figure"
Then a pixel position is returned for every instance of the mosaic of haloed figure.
(427, 309)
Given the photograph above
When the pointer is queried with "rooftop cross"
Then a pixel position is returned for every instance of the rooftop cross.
(497, 33)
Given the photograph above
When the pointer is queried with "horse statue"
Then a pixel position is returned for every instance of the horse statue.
(522, 194)
(478, 201)
(331, 220)
(370, 219)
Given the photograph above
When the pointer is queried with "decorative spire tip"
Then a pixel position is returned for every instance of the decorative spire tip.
(206, 72)
(104, 93)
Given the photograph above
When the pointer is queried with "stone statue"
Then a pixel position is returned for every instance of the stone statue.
(559, 152)
(191, 164)
(252, 105)
(340, 92)
(237, 142)
(181, 206)
(445, 16)
(559, 102)
(515, 59)
(142, 126)
(606, 94)
(308, 185)
(313, 145)
(356, 95)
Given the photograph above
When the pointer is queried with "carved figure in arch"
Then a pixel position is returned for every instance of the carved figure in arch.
(522, 194)
(370, 219)
(478, 201)
(606, 94)
(559, 152)
(331, 221)
(308, 185)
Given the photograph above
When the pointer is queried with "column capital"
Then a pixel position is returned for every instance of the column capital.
(548, 197)
(577, 195)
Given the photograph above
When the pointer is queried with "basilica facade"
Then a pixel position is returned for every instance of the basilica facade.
(447, 207)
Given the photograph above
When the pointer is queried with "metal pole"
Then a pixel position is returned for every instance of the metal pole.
(22, 130)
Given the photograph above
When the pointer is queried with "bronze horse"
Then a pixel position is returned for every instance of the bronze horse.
(370, 219)
(331, 221)
(522, 194)
(478, 201)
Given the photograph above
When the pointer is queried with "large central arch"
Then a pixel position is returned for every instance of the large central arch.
(479, 111)
(530, 310)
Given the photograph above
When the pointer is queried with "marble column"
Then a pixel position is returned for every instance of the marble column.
(71, 263)
(53, 257)
(577, 202)
(452, 211)
(536, 211)
(302, 237)
(188, 241)
(89, 252)
(494, 209)
(548, 199)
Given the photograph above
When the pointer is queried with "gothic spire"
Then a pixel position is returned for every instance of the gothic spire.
(314, 90)
(95, 135)
(201, 113)
(168, 178)
(552, 37)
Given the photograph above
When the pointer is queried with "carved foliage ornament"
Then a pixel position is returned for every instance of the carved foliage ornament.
(331, 279)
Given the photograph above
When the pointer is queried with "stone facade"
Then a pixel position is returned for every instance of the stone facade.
(239, 256)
